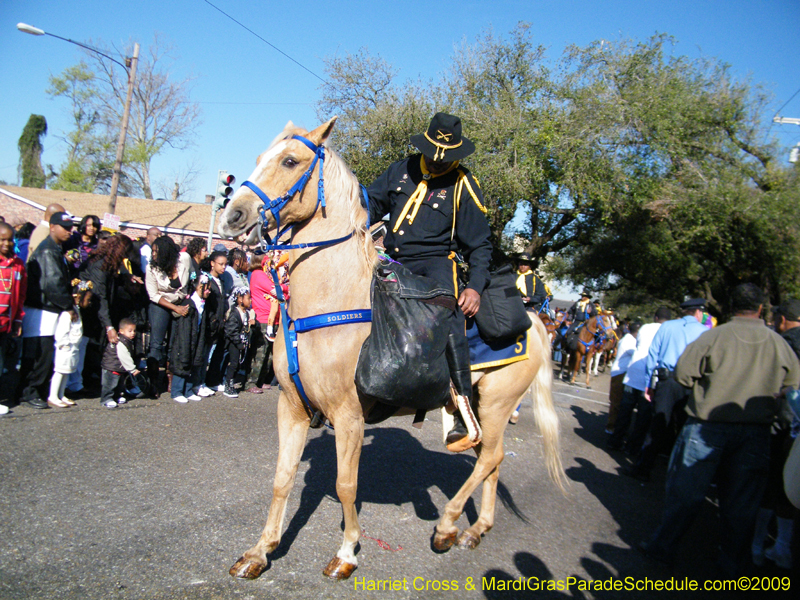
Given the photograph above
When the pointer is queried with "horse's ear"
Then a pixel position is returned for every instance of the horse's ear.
(321, 133)
(289, 125)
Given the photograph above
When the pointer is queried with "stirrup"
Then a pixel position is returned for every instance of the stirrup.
(474, 433)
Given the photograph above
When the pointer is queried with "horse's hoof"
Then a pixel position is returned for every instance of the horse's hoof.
(443, 542)
(339, 569)
(247, 568)
(468, 540)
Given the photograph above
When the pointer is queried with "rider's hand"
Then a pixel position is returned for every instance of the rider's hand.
(469, 301)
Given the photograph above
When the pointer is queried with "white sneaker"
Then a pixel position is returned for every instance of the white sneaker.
(122, 400)
(3, 409)
(110, 404)
(181, 399)
(205, 391)
(221, 387)
(194, 398)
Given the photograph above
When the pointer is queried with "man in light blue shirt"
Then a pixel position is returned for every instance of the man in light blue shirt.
(668, 344)
(672, 338)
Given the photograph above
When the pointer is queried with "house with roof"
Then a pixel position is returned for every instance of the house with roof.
(180, 220)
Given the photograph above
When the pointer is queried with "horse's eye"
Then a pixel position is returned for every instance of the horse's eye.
(289, 162)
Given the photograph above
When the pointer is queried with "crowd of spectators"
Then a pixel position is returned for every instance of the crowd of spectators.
(719, 400)
(87, 313)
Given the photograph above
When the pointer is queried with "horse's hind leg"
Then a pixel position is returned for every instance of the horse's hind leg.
(471, 537)
(292, 431)
(490, 455)
(349, 438)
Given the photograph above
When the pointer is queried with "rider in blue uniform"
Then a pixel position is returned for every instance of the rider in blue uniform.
(436, 211)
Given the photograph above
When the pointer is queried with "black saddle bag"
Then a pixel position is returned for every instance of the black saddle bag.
(502, 313)
(402, 362)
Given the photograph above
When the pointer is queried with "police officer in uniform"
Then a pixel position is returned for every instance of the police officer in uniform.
(534, 291)
(436, 210)
(666, 394)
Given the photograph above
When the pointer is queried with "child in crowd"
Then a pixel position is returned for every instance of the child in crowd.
(189, 338)
(237, 336)
(13, 284)
(67, 339)
(279, 264)
(117, 362)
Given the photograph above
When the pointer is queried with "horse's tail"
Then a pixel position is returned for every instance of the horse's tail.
(544, 411)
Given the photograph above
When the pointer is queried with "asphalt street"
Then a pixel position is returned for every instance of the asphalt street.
(157, 500)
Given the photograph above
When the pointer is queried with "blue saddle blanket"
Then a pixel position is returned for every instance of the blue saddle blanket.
(483, 354)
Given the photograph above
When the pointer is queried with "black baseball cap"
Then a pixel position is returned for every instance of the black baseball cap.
(61, 218)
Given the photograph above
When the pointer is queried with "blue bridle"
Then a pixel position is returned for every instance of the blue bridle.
(290, 326)
(274, 206)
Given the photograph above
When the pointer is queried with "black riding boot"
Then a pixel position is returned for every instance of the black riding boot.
(457, 353)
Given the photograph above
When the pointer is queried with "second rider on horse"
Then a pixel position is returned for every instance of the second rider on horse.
(436, 211)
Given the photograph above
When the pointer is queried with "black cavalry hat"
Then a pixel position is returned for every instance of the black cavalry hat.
(443, 140)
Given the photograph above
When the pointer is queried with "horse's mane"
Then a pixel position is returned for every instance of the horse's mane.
(340, 180)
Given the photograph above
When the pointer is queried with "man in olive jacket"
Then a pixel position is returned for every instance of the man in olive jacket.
(736, 373)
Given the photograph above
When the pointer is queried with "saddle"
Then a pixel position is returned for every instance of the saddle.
(402, 362)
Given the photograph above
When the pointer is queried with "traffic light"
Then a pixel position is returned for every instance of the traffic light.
(225, 183)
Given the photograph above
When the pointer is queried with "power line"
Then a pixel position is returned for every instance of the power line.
(787, 102)
(243, 26)
(259, 103)
(778, 112)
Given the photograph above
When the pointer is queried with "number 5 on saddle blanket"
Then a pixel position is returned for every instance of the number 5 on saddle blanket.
(409, 336)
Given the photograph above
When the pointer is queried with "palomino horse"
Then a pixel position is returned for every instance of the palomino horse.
(587, 337)
(337, 277)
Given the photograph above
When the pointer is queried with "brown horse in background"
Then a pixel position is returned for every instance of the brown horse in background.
(337, 278)
(587, 336)
(605, 347)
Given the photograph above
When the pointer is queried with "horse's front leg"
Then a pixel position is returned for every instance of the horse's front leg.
(349, 438)
(292, 430)
(589, 359)
(578, 358)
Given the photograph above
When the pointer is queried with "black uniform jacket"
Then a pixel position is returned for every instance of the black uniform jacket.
(429, 235)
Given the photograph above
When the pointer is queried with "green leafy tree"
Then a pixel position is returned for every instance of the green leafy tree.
(90, 148)
(640, 172)
(30, 152)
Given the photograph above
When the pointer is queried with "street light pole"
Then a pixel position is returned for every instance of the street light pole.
(123, 133)
(130, 69)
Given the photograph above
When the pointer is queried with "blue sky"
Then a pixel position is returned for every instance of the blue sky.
(248, 91)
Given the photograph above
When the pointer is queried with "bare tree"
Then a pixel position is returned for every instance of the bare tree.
(162, 113)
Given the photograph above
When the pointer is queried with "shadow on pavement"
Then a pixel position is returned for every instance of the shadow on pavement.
(395, 468)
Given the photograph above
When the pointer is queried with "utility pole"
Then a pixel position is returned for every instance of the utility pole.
(123, 132)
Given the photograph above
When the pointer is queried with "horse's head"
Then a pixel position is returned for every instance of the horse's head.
(277, 171)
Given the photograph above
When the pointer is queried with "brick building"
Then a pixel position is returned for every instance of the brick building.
(180, 220)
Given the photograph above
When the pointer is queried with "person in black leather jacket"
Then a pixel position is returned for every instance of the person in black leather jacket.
(49, 294)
